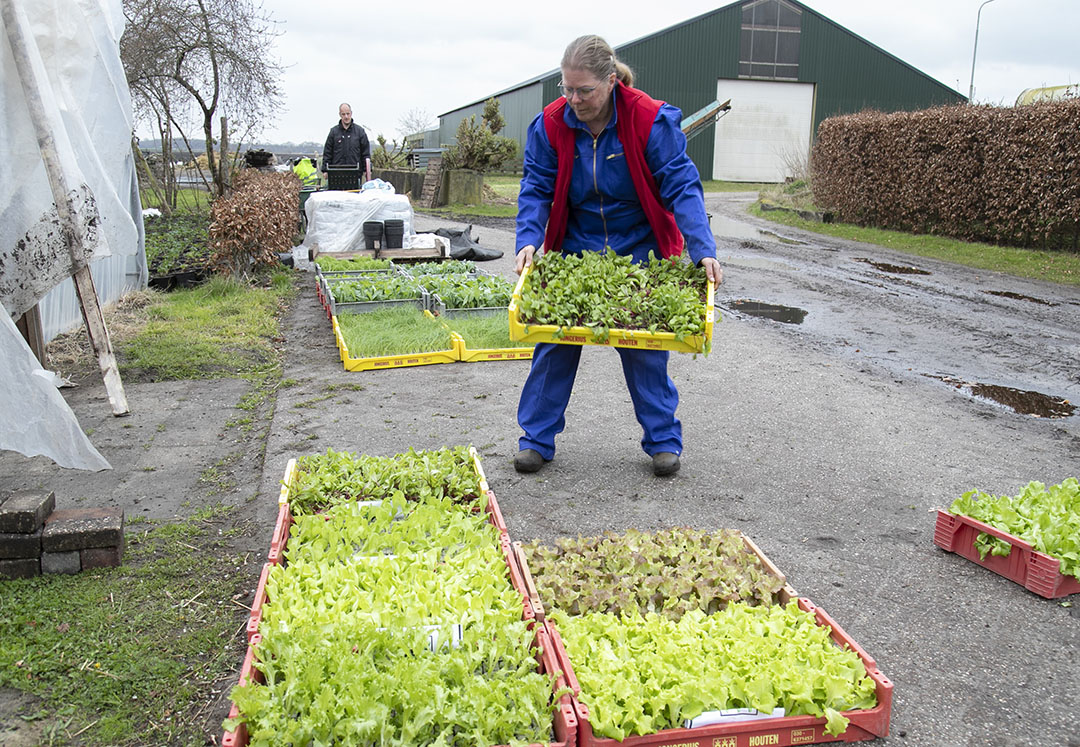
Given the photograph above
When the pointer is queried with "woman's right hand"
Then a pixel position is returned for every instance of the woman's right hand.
(524, 258)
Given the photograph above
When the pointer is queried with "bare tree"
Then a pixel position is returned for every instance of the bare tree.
(415, 121)
(213, 54)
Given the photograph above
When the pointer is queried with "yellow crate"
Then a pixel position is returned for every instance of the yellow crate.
(287, 481)
(491, 354)
(396, 361)
(617, 338)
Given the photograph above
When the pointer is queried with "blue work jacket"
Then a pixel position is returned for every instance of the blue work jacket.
(604, 207)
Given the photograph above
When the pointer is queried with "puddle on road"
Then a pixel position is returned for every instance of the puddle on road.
(733, 229)
(754, 263)
(1023, 401)
(1019, 297)
(785, 314)
(899, 269)
(782, 239)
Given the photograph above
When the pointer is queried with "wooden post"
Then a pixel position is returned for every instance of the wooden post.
(29, 324)
(15, 23)
(226, 170)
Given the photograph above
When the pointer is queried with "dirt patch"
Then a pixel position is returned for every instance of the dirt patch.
(70, 353)
(20, 719)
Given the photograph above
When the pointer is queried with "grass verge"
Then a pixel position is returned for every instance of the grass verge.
(132, 655)
(1035, 264)
(188, 201)
(223, 328)
(720, 186)
(485, 210)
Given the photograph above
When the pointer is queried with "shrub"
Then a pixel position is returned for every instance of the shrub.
(250, 226)
(479, 146)
(1001, 175)
(392, 156)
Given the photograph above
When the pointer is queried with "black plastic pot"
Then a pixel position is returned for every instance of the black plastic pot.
(395, 233)
(373, 232)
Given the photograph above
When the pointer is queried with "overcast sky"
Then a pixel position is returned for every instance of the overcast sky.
(387, 58)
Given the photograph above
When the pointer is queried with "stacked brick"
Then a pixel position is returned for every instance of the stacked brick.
(35, 538)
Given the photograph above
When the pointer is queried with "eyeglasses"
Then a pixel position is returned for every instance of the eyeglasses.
(584, 93)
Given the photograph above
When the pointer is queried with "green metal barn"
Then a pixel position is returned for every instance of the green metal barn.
(784, 67)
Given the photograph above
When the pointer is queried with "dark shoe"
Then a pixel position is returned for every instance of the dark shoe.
(665, 463)
(528, 460)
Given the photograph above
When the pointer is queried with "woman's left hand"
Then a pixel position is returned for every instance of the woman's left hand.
(713, 271)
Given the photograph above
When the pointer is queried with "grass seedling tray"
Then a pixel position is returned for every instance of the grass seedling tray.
(438, 344)
(487, 338)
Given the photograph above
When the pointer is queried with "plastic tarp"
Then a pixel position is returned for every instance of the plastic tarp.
(335, 220)
(78, 80)
(37, 419)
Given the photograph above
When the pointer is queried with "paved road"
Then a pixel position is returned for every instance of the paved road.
(823, 441)
(908, 315)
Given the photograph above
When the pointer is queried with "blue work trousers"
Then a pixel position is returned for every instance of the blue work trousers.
(542, 409)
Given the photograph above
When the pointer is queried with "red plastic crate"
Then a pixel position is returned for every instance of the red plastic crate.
(248, 672)
(785, 731)
(1035, 571)
(257, 604)
(518, 582)
(281, 534)
(530, 586)
(564, 721)
(495, 512)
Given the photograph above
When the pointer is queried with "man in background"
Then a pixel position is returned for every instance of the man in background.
(347, 144)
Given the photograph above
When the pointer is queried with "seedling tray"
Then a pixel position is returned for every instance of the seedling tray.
(359, 307)
(1034, 570)
(324, 278)
(491, 354)
(783, 731)
(786, 593)
(564, 721)
(280, 538)
(440, 309)
(394, 361)
(618, 338)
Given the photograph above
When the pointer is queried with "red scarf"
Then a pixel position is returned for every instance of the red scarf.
(635, 114)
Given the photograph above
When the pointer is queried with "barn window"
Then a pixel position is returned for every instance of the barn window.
(769, 41)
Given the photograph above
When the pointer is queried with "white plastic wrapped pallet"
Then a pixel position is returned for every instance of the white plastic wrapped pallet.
(73, 53)
(336, 219)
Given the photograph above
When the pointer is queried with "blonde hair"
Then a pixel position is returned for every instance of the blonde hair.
(594, 55)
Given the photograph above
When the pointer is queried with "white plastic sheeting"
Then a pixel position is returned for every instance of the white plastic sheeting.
(36, 418)
(74, 54)
(336, 219)
(78, 80)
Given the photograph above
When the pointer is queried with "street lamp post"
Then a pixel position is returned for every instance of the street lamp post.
(978, 16)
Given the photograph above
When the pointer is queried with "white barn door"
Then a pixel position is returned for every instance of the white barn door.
(766, 132)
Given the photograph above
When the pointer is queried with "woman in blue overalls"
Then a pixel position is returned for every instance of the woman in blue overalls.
(606, 169)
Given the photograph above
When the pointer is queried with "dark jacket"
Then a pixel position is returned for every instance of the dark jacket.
(346, 147)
